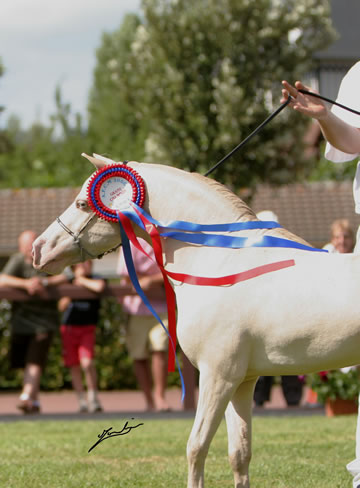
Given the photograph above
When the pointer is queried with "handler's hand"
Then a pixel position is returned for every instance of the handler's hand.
(306, 104)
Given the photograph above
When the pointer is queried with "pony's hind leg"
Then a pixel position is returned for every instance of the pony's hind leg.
(238, 423)
(214, 395)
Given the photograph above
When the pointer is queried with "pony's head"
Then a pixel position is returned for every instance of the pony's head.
(77, 235)
(89, 228)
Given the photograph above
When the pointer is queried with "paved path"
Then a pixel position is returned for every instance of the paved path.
(63, 405)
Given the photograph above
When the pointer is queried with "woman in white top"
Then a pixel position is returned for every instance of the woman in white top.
(341, 130)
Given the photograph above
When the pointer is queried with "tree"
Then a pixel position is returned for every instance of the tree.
(114, 126)
(200, 76)
(1, 74)
(5, 144)
(45, 156)
(213, 69)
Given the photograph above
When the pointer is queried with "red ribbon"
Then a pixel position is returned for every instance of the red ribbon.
(185, 278)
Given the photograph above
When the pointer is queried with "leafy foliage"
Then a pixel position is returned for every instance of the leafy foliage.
(5, 145)
(335, 384)
(325, 170)
(9, 379)
(114, 123)
(45, 156)
(183, 84)
(204, 74)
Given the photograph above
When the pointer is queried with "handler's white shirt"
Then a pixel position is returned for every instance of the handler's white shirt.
(349, 95)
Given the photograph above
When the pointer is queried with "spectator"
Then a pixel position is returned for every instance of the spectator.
(78, 336)
(342, 237)
(291, 387)
(33, 322)
(145, 337)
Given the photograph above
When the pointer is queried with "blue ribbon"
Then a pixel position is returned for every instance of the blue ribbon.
(192, 227)
(134, 280)
(213, 240)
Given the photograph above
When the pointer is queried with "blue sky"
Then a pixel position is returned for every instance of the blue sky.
(45, 43)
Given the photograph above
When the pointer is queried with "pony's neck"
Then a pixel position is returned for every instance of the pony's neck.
(173, 194)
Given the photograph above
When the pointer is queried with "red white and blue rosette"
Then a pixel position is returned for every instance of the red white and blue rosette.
(112, 189)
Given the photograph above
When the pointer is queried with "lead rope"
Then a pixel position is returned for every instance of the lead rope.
(271, 116)
(250, 136)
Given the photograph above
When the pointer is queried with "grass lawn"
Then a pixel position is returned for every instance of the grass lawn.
(288, 452)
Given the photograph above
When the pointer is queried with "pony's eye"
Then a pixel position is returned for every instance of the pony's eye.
(81, 204)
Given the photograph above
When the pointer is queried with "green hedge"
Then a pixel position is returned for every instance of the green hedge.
(114, 367)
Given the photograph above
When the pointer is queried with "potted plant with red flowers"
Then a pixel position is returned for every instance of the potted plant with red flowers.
(338, 389)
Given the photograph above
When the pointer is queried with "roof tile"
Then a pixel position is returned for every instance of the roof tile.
(30, 208)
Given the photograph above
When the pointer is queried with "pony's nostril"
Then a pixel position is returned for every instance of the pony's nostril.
(36, 250)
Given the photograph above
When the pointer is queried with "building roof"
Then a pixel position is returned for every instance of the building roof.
(35, 209)
(30, 208)
(309, 209)
(306, 209)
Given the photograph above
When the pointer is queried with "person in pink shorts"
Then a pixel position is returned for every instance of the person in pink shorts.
(146, 340)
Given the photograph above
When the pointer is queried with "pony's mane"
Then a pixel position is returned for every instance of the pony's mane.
(238, 204)
(245, 211)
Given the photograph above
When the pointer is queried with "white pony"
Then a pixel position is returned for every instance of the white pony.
(292, 321)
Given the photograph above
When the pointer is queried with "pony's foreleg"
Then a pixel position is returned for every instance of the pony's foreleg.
(214, 395)
(238, 423)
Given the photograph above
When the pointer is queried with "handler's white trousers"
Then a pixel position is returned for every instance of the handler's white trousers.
(354, 466)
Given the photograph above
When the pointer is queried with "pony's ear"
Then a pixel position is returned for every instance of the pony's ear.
(96, 160)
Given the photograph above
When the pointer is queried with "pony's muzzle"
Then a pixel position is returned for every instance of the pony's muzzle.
(36, 251)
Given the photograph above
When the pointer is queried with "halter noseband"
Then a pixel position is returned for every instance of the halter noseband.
(76, 237)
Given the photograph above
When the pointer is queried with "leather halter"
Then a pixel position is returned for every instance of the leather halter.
(76, 237)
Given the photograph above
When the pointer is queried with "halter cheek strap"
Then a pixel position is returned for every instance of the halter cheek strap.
(77, 241)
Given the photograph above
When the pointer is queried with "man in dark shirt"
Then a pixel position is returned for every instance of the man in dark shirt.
(33, 322)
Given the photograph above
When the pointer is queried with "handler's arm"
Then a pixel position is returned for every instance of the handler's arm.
(341, 135)
(338, 133)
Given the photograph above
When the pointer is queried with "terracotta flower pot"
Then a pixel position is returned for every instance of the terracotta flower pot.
(340, 407)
